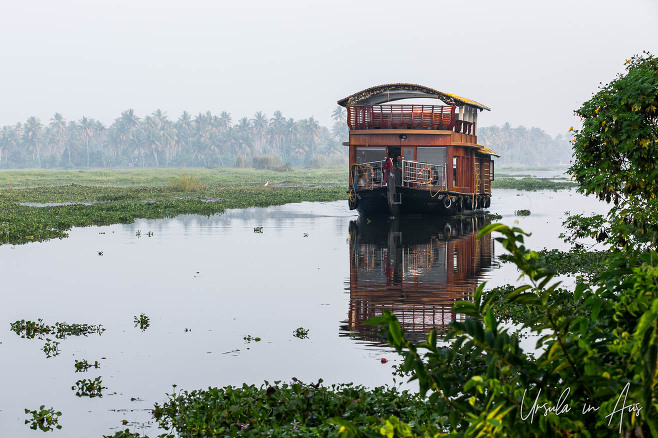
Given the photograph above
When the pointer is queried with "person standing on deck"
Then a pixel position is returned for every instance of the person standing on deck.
(398, 170)
(387, 167)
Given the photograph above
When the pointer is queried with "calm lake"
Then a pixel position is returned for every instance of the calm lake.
(207, 283)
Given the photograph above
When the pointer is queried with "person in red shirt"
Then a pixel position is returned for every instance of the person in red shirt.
(387, 167)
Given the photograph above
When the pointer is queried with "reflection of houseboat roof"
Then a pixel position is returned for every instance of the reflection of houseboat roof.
(392, 92)
(485, 150)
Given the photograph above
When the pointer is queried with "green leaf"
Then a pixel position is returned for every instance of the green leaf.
(490, 321)
(596, 308)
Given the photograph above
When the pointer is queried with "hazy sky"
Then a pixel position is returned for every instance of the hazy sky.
(533, 63)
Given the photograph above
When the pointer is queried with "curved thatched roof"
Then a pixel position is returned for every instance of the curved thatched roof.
(393, 92)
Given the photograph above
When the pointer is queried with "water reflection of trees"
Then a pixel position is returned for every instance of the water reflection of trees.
(414, 267)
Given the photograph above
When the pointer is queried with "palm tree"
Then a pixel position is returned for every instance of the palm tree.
(32, 135)
(6, 137)
(58, 125)
(100, 132)
(87, 127)
(225, 121)
(183, 128)
(130, 128)
(310, 132)
(152, 134)
(276, 131)
(339, 114)
(291, 132)
(259, 126)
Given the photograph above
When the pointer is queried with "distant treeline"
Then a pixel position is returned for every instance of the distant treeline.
(525, 147)
(208, 140)
(204, 140)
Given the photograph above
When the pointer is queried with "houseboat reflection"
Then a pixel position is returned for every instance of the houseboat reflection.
(416, 268)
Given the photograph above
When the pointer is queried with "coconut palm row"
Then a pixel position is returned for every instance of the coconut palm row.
(155, 140)
(527, 147)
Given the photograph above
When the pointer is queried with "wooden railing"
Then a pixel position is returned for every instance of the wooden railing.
(401, 117)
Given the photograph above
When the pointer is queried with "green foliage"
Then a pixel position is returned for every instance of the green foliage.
(301, 333)
(249, 338)
(126, 434)
(89, 387)
(596, 346)
(61, 330)
(142, 321)
(267, 162)
(522, 212)
(532, 184)
(521, 313)
(82, 365)
(577, 261)
(286, 410)
(148, 195)
(578, 226)
(616, 151)
(186, 182)
(51, 348)
(44, 419)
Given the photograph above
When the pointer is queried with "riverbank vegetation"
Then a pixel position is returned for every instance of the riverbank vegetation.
(282, 409)
(532, 184)
(42, 205)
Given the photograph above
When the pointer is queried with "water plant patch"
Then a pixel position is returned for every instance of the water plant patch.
(60, 330)
(89, 387)
(43, 419)
(301, 333)
(284, 409)
(143, 322)
(82, 365)
(51, 348)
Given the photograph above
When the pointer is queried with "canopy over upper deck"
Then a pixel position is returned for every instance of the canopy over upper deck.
(392, 92)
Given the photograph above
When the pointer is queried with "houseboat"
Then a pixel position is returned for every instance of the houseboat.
(416, 158)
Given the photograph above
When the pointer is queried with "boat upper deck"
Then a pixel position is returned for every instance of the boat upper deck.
(371, 109)
(432, 117)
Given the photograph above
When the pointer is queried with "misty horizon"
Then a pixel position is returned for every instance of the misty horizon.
(533, 64)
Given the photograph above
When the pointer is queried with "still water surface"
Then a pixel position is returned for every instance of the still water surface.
(206, 283)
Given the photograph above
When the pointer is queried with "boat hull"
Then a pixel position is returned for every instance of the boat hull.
(412, 201)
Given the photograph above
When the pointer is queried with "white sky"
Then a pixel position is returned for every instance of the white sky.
(532, 63)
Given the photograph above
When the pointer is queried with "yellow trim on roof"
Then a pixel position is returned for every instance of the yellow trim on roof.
(487, 151)
(399, 91)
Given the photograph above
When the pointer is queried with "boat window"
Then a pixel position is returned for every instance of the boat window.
(408, 153)
(491, 169)
(432, 155)
(454, 172)
(368, 154)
